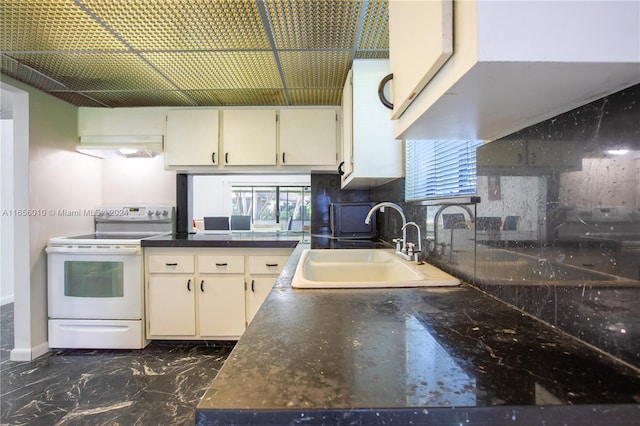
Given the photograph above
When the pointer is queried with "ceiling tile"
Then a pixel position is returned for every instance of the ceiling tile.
(218, 70)
(142, 98)
(239, 97)
(313, 24)
(316, 96)
(16, 70)
(78, 99)
(315, 69)
(94, 71)
(375, 27)
(51, 25)
(183, 24)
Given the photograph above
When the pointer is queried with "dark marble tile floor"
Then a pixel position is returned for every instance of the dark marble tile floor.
(160, 384)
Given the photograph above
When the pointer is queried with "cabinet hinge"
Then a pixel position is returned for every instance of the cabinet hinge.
(276, 118)
(245, 286)
(336, 117)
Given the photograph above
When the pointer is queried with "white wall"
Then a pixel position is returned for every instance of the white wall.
(52, 177)
(212, 193)
(137, 180)
(6, 224)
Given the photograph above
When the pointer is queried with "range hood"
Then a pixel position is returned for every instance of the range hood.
(120, 146)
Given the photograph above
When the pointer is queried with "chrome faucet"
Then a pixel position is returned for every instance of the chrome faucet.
(401, 245)
(410, 246)
(433, 244)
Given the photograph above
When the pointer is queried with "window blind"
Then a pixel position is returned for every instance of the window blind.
(440, 168)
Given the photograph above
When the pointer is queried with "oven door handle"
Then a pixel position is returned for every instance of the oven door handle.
(81, 250)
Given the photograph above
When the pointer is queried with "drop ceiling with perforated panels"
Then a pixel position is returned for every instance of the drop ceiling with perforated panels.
(117, 53)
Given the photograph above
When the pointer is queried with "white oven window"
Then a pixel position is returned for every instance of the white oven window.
(93, 279)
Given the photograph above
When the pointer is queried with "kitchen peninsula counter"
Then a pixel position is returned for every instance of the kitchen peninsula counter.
(229, 239)
(420, 355)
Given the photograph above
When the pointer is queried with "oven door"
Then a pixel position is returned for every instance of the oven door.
(87, 282)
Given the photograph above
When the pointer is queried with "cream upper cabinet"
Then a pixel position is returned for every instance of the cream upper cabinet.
(514, 64)
(249, 137)
(422, 36)
(308, 137)
(192, 137)
(372, 156)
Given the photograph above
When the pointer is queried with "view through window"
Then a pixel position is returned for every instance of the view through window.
(288, 207)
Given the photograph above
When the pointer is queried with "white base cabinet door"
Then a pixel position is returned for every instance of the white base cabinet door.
(221, 306)
(171, 306)
(257, 291)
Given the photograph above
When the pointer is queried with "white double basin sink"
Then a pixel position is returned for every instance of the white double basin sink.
(364, 268)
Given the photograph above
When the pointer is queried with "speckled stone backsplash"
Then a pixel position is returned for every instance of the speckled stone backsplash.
(557, 230)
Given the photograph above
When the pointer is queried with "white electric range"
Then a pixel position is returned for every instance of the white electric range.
(95, 281)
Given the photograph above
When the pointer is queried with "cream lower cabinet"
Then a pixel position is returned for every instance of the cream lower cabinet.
(170, 295)
(263, 272)
(171, 306)
(221, 291)
(209, 293)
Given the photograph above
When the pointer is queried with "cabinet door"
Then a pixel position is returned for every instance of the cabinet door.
(172, 306)
(249, 137)
(221, 306)
(192, 137)
(308, 137)
(420, 42)
(347, 126)
(257, 291)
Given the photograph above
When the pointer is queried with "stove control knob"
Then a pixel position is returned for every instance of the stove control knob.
(150, 213)
(157, 212)
(165, 213)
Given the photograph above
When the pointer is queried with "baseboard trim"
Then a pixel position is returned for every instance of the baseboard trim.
(6, 300)
(20, 354)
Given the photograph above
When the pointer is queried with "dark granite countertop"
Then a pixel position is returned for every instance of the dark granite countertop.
(231, 239)
(421, 355)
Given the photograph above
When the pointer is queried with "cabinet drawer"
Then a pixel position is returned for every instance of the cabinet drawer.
(221, 264)
(267, 264)
(171, 264)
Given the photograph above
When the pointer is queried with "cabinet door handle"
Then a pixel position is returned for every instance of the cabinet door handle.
(271, 265)
(383, 83)
(226, 157)
(189, 285)
(340, 169)
(202, 286)
(284, 158)
(252, 288)
(221, 264)
(171, 264)
(213, 157)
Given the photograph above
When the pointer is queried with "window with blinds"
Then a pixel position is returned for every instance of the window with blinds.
(440, 168)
